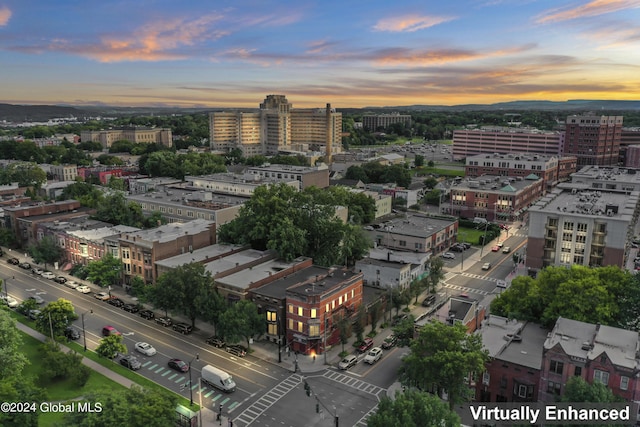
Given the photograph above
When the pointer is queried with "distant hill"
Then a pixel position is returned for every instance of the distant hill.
(43, 113)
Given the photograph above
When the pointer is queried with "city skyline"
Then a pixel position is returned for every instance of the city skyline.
(231, 54)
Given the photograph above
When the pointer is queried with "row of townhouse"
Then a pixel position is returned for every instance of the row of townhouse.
(530, 364)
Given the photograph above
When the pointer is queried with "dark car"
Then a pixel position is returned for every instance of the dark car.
(456, 248)
(429, 300)
(131, 363)
(14, 261)
(71, 333)
(398, 319)
(389, 341)
(25, 265)
(147, 314)
(183, 328)
(216, 341)
(131, 308)
(116, 302)
(237, 350)
(365, 345)
(164, 321)
(179, 365)
(60, 279)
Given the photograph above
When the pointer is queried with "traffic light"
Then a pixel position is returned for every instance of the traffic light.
(307, 388)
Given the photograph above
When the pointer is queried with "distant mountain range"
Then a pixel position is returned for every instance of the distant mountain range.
(43, 113)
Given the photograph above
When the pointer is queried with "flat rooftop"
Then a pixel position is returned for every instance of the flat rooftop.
(496, 184)
(599, 173)
(169, 232)
(198, 255)
(248, 276)
(413, 225)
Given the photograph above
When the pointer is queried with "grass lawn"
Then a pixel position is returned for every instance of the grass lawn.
(469, 235)
(66, 390)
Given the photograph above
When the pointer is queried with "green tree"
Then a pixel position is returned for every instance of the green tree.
(110, 346)
(398, 174)
(442, 357)
(404, 330)
(430, 182)
(45, 251)
(212, 306)
(132, 407)
(413, 409)
(19, 388)
(7, 238)
(344, 328)
(436, 273)
(87, 194)
(359, 322)
(106, 271)
(418, 161)
(578, 390)
(13, 360)
(116, 209)
(375, 312)
(241, 321)
(59, 365)
(55, 317)
(355, 244)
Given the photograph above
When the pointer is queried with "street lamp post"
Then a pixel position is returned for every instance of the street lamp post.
(6, 292)
(84, 335)
(196, 357)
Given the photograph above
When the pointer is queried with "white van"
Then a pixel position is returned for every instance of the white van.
(218, 378)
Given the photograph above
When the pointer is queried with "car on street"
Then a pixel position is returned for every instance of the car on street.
(399, 318)
(237, 350)
(506, 249)
(216, 341)
(115, 301)
(147, 314)
(131, 308)
(37, 298)
(448, 255)
(71, 333)
(465, 245)
(429, 300)
(373, 356)
(48, 275)
(145, 348)
(33, 314)
(10, 301)
(486, 266)
(71, 284)
(102, 296)
(83, 289)
(348, 361)
(389, 341)
(183, 328)
(164, 321)
(456, 248)
(37, 271)
(110, 330)
(131, 362)
(502, 284)
(365, 345)
(495, 248)
(179, 365)
(60, 279)
(25, 265)
(13, 261)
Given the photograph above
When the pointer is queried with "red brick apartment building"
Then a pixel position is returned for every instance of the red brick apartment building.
(593, 139)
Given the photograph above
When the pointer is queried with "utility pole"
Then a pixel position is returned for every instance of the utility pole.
(324, 339)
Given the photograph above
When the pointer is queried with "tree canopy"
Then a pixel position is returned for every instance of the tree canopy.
(55, 317)
(605, 295)
(241, 321)
(106, 271)
(45, 251)
(413, 409)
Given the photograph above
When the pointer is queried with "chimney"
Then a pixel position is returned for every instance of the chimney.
(327, 157)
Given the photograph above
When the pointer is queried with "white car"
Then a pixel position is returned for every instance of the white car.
(72, 284)
(373, 356)
(48, 275)
(84, 289)
(448, 255)
(10, 301)
(145, 348)
(486, 266)
(348, 362)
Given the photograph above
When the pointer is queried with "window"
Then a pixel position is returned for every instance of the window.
(339, 300)
(556, 367)
(624, 383)
(290, 308)
(601, 376)
(272, 329)
(486, 378)
(291, 324)
(522, 391)
(326, 308)
(272, 316)
(314, 330)
(553, 387)
(300, 327)
(300, 311)
(314, 313)
(577, 371)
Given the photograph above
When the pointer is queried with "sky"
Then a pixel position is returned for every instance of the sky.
(351, 54)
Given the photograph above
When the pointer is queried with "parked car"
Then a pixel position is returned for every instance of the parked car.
(216, 341)
(365, 345)
(37, 298)
(147, 314)
(60, 279)
(495, 248)
(429, 300)
(10, 301)
(83, 289)
(373, 356)
(465, 245)
(456, 248)
(179, 365)
(506, 249)
(145, 348)
(25, 265)
(389, 341)
(71, 333)
(399, 318)
(115, 301)
(131, 308)
(102, 296)
(71, 284)
(183, 328)
(448, 255)
(131, 363)
(33, 314)
(348, 361)
(37, 271)
(13, 261)
(164, 321)
(237, 350)
(48, 275)
(486, 266)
